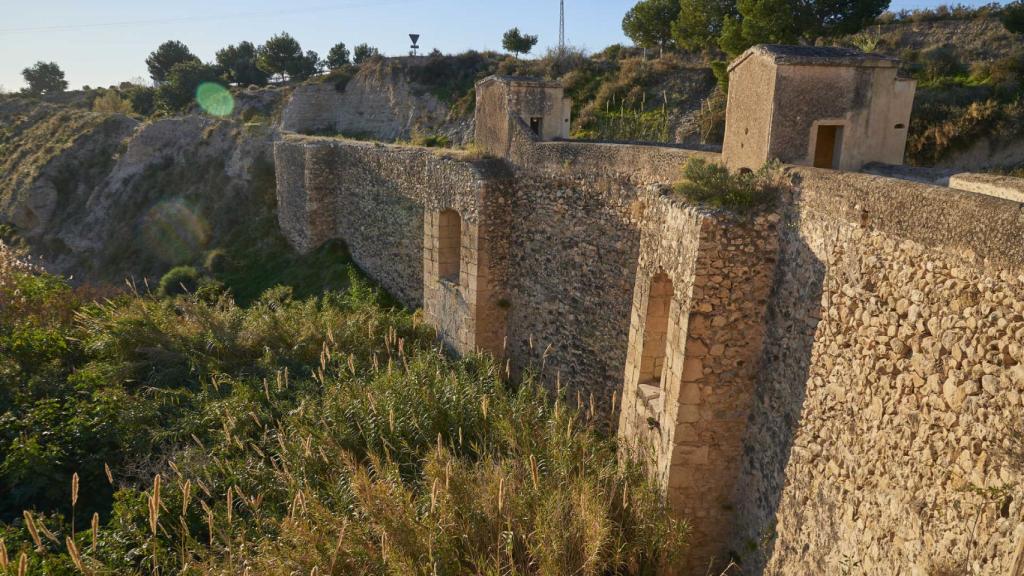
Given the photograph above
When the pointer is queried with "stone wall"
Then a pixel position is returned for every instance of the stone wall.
(374, 198)
(575, 242)
(885, 435)
(693, 411)
(529, 234)
(379, 102)
(841, 384)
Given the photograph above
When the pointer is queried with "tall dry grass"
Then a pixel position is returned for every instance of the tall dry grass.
(330, 435)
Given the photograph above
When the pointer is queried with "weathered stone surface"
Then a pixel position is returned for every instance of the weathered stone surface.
(380, 102)
(841, 383)
(887, 396)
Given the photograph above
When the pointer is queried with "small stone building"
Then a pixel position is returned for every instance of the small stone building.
(816, 106)
(541, 105)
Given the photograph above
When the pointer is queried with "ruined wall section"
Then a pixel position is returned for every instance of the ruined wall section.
(312, 108)
(884, 434)
(379, 102)
(574, 246)
(721, 269)
(374, 198)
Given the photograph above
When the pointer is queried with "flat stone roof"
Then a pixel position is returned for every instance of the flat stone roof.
(522, 80)
(787, 55)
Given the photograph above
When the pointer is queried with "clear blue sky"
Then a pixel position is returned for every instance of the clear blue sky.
(103, 42)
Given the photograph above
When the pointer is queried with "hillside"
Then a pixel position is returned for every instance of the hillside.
(108, 196)
(977, 39)
(616, 96)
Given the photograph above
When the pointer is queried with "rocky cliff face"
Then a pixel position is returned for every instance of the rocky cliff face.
(380, 102)
(107, 196)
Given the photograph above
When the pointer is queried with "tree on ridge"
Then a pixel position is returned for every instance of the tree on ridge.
(649, 23)
(364, 52)
(165, 57)
(44, 78)
(518, 43)
(338, 57)
(239, 64)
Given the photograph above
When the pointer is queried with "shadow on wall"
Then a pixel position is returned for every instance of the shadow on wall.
(794, 312)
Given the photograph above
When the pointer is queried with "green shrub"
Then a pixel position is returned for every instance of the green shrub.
(278, 428)
(720, 69)
(179, 280)
(940, 62)
(217, 261)
(142, 98)
(110, 102)
(178, 92)
(1012, 17)
(743, 192)
(431, 140)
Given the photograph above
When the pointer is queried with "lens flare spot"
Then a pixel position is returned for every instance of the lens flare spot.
(174, 233)
(215, 99)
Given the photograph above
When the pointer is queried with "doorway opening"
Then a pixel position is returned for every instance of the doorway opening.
(652, 360)
(828, 146)
(537, 125)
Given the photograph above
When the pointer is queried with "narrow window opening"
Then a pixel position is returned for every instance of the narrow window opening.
(900, 126)
(652, 362)
(449, 240)
(828, 146)
(537, 125)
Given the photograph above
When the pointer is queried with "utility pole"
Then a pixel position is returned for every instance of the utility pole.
(561, 29)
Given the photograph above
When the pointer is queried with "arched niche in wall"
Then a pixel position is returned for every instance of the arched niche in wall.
(449, 246)
(652, 356)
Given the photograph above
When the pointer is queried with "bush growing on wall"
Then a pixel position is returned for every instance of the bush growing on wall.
(743, 192)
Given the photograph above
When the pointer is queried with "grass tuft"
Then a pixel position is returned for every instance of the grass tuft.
(742, 192)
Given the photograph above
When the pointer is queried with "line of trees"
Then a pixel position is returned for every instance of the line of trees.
(735, 25)
(281, 58)
(177, 72)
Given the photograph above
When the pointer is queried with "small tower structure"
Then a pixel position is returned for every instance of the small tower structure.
(505, 104)
(817, 106)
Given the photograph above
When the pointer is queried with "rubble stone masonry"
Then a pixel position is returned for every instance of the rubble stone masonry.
(885, 437)
(833, 388)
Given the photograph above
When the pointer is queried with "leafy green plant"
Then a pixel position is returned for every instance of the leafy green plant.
(1012, 17)
(179, 280)
(743, 192)
(326, 435)
(110, 102)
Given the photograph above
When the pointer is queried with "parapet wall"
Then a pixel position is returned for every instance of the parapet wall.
(373, 197)
(842, 382)
(882, 439)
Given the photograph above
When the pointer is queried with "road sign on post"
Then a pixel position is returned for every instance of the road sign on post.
(415, 42)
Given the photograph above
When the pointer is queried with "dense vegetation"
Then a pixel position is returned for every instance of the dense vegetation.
(959, 103)
(326, 434)
(743, 192)
(733, 26)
